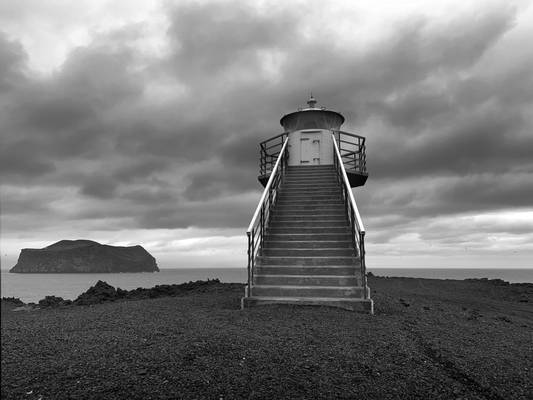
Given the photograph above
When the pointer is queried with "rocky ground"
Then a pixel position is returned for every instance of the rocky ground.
(429, 339)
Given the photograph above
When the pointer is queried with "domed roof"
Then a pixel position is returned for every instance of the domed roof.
(312, 117)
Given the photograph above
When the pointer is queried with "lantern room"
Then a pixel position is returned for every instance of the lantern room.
(311, 132)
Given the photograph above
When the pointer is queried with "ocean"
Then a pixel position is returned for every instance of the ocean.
(33, 287)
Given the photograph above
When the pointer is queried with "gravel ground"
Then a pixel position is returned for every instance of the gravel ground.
(429, 339)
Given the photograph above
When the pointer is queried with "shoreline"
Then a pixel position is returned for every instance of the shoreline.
(103, 292)
(429, 338)
(34, 287)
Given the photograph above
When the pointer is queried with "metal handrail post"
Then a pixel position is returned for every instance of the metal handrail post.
(253, 264)
(249, 264)
(262, 221)
(363, 264)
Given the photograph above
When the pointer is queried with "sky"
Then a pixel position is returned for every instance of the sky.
(135, 122)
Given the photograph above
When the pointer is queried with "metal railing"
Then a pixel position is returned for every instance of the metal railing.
(258, 225)
(352, 150)
(352, 212)
(269, 151)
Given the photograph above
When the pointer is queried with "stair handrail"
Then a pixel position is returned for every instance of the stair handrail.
(262, 212)
(358, 229)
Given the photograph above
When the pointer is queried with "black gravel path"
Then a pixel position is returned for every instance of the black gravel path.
(429, 339)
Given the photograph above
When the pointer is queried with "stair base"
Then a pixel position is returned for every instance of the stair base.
(349, 304)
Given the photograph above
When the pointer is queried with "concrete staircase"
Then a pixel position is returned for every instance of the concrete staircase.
(308, 256)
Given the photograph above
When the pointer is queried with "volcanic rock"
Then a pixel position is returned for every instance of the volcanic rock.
(54, 301)
(68, 256)
(98, 293)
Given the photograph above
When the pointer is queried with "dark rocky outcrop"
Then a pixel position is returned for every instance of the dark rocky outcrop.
(99, 293)
(104, 292)
(68, 256)
(54, 301)
(15, 301)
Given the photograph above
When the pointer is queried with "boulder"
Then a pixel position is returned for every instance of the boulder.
(96, 294)
(68, 256)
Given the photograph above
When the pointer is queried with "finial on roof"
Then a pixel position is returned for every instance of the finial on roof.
(312, 101)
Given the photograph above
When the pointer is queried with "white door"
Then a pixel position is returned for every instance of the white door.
(310, 149)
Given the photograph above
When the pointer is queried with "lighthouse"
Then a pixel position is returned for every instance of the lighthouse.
(306, 239)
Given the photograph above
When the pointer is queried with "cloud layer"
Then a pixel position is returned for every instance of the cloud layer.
(145, 129)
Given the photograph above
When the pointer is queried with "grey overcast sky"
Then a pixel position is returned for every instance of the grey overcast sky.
(136, 122)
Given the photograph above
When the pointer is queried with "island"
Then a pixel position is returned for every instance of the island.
(84, 256)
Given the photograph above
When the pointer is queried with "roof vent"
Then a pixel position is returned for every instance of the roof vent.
(311, 102)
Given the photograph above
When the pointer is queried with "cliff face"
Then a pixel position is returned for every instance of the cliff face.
(84, 256)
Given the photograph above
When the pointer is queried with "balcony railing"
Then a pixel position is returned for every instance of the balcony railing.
(351, 147)
(352, 150)
(269, 150)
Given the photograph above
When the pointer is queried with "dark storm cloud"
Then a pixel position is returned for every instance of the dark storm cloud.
(490, 140)
(487, 192)
(139, 169)
(23, 159)
(431, 197)
(216, 213)
(217, 39)
(99, 186)
(210, 182)
(62, 116)
(174, 161)
(12, 63)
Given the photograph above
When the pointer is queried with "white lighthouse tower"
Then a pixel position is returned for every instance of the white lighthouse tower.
(306, 237)
(311, 143)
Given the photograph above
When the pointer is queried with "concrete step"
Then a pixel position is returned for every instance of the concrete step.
(309, 179)
(295, 252)
(310, 189)
(307, 244)
(309, 169)
(316, 194)
(309, 182)
(311, 192)
(306, 213)
(294, 172)
(305, 205)
(326, 176)
(279, 223)
(307, 291)
(327, 270)
(313, 260)
(306, 237)
(302, 204)
(309, 208)
(306, 280)
(292, 181)
(309, 217)
(301, 193)
(350, 304)
(306, 230)
(309, 198)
